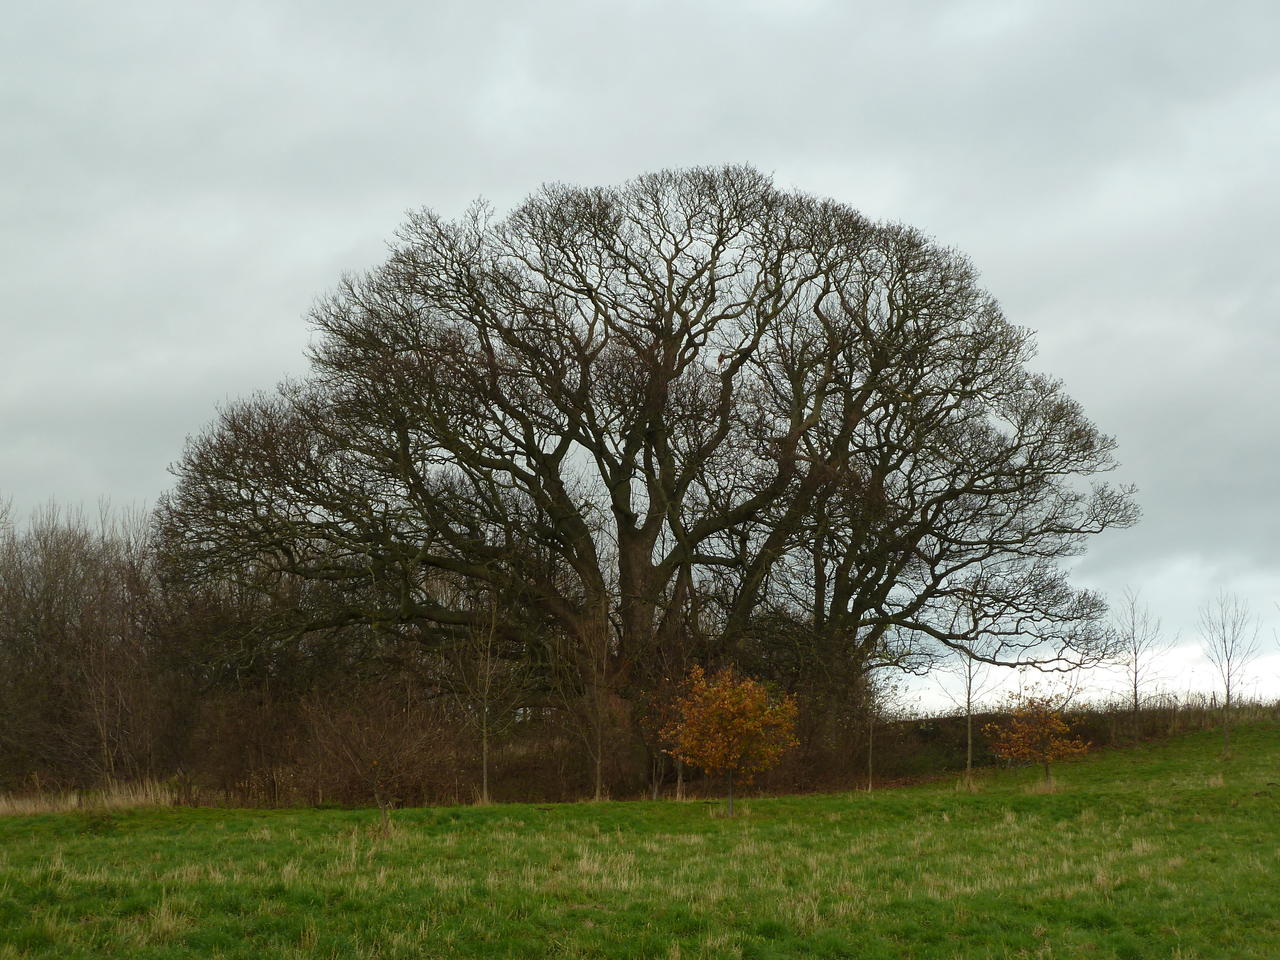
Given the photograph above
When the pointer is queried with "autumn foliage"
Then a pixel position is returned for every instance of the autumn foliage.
(730, 724)
(1034, 732)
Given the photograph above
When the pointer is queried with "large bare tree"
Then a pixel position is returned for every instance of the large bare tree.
(691, 397)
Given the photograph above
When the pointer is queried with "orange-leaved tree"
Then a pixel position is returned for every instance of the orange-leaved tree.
(1034, 732)
(730, 724)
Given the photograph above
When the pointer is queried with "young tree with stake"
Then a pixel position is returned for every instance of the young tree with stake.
(1139, 641)
(487, 683)
(1230, 632)
(975, 683)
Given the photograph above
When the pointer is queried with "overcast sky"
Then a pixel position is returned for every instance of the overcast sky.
(180, 181)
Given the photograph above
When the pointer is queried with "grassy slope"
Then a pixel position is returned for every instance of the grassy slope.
(1155, 852)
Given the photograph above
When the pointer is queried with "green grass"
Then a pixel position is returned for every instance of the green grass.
(1162, 851)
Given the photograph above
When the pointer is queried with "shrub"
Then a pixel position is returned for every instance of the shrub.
(1034, 732)
(729, 724)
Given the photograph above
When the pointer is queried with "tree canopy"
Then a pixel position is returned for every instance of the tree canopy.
(694, 412)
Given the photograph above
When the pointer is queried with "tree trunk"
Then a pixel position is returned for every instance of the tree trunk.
(1226, 726)
(484, 766)
(730, 793)
(871, 742)
(968, 745)
(599, 758)
(1137, 704)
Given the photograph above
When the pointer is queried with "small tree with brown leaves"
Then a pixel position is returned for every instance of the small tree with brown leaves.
(1035, 732)
(729, 724)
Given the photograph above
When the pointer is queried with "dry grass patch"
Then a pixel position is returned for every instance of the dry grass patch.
(116, 796)
(1044, 787)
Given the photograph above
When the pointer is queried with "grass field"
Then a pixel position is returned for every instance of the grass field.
(1161, 851)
